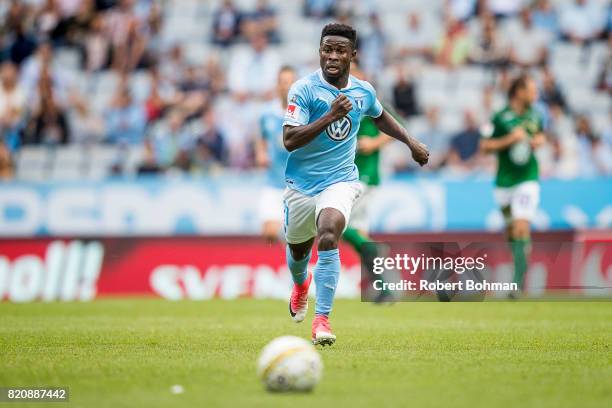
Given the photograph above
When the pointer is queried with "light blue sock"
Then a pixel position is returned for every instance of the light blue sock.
(326, 276)
(298, 269)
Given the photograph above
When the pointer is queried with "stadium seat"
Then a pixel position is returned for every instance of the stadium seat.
(196, 52)
(68, 163)
(566, 54)
(32, 163)
(100, 160)
(68, 58)
(133, 158)
(601, 122)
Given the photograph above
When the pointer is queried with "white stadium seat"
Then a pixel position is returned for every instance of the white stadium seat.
(32, 163)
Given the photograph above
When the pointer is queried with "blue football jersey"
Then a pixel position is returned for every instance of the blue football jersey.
(271, 126)
(330, 157)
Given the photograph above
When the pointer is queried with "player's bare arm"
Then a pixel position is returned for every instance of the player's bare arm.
(493, 145)
(369, 145)
(388, 125)
(295, 137)
(261, 153)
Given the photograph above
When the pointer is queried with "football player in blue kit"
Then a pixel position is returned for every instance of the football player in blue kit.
(320, 132)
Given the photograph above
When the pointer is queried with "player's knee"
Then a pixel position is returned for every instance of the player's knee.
(298, 254)
(520, 230)
(327, 241)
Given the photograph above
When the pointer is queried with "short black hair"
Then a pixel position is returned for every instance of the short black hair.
(518, 83)
(341, 30)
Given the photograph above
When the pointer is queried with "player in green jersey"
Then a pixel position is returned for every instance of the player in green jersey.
(369, 142)
(517, 132)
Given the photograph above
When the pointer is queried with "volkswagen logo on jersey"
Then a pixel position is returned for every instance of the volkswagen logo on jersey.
(340, 129)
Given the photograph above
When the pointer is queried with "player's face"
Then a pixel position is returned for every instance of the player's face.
(335, 54)
(530, 92)
(285, 80)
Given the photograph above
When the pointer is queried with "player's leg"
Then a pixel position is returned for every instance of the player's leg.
(356, 234)
(333, 212)
(299, 226)
(330, 224)
(520, 244)
(271, 214)
(523, 209)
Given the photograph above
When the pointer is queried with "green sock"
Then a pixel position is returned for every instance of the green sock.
(355, 238)
(364, 246)
(520, 249)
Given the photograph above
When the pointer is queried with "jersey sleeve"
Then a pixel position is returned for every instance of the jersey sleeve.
(298, 111)
(376, 108)
(497, 127)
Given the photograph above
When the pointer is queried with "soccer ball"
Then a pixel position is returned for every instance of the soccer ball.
(289, 363)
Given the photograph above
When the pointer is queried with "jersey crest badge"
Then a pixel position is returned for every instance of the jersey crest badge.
(340, 129)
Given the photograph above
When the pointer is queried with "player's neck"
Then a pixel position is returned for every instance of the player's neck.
(340, 82)
(518, 107)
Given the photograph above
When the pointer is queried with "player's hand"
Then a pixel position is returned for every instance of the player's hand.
(537, 140)
(518, 134)
(340, 107)
(420, 153)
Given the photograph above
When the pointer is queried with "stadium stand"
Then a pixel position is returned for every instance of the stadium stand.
(84, 84)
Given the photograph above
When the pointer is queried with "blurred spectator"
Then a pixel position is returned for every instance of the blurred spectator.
(263, 18)
(463, 153)
(215, 73)
(170, 138)
(594, 153)
(152, 36)
(6, 163)
(148, 165)
(48, 19)
(404, 94)
(253, 70)
(85, 124)
(226, 24)
(194, 88)
(545, 17)
(128, 43)
(565, 142)
(604, 78)
(550, 93)
(504, 8)
(125, 119)
(582, 21)
(373, 47)
(48, 123)
(319, 8)
(42, 61)
(12, 106)
(161, 95)
(22, 45)
(96, 46)
(211, 142)
(528, 44)
(453, 48)
(435, 138)
(173, 66)
(417, 38)
(489, 49)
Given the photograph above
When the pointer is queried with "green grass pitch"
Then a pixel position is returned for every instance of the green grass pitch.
(129, 353)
